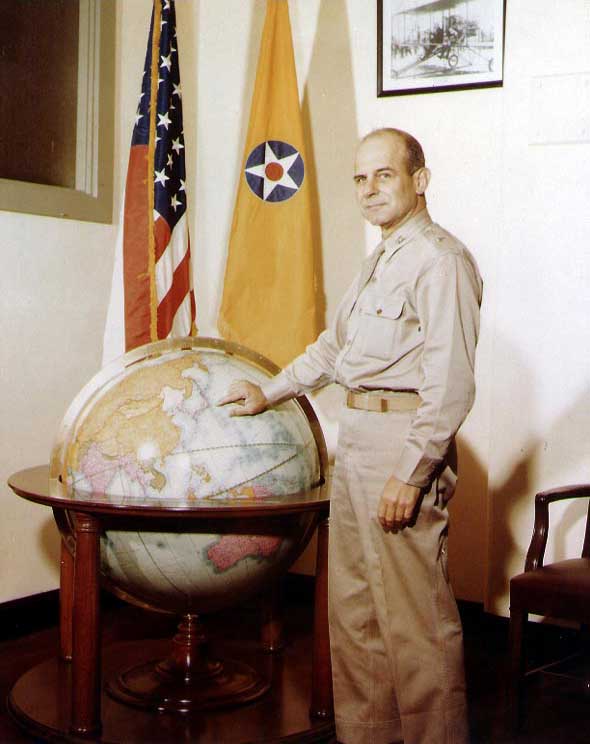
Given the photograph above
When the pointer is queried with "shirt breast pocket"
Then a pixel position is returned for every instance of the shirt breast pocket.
(381, 329)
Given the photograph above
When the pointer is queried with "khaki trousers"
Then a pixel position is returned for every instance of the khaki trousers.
(395, 632)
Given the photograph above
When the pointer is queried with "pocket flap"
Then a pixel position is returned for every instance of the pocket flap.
(391, 307)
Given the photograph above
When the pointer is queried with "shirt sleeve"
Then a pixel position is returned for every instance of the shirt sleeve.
(448, 298)
(315, 368)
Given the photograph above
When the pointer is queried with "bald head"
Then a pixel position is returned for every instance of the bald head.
(413, 149)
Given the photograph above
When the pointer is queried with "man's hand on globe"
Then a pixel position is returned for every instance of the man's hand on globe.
(250, 397)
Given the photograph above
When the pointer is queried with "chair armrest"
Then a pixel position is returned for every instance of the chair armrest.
(582, 490)
(536, 551)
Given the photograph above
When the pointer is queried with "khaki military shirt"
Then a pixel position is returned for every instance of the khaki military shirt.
(409, 321)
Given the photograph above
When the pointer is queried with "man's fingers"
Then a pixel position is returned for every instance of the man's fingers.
(408, 514)
(393, 514)
(386, 513)
(239, 412)
(249, 398)
(229, 399)
(236, 391)
(400, 513)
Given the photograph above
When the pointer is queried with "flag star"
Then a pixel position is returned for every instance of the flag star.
(160, 80)
(162, 24)
(169, 163)
(182, 185)
(141, 95)
(166, 61)
(161, 177)
(165, 120)
(176, 146)
(175, 203)
(177, 90)
(167, 5)
(279, 170)
(138, 116)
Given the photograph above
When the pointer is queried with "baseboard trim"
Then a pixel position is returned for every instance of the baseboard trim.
(37, 612)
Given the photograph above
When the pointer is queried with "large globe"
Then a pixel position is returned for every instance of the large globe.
(147, 431)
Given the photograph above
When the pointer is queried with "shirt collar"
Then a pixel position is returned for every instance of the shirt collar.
(405, 233)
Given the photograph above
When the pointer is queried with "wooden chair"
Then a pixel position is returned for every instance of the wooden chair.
(558, 590)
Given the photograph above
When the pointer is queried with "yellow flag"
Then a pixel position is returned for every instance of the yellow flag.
(269, 295)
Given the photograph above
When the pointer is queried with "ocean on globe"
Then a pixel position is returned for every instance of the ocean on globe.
(146, 432)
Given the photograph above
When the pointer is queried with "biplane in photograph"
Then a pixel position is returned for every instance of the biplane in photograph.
(440, 37)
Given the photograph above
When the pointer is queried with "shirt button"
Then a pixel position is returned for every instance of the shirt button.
(373, 278)
(400, 239)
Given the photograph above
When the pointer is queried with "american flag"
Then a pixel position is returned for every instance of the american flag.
(152, 285)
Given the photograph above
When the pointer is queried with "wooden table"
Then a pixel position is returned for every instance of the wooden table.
(79, 717)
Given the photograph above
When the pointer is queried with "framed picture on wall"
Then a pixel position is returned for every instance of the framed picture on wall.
(426, 46)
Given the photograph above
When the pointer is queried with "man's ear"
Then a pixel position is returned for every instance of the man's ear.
(421, 180)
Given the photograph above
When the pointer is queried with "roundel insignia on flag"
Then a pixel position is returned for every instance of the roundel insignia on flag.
(274, 171)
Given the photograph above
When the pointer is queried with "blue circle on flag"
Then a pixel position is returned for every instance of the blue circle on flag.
(274, 171)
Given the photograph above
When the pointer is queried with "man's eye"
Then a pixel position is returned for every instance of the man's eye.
(384, 176)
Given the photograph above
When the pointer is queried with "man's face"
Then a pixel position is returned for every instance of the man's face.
(387, 194)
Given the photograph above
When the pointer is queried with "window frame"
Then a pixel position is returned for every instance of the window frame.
(92, 198)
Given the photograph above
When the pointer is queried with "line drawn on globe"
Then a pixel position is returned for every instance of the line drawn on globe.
(152, 434)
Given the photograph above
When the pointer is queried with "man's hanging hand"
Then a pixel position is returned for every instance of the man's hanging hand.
(397, 504)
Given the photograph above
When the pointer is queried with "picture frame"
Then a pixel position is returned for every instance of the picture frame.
(429, 46)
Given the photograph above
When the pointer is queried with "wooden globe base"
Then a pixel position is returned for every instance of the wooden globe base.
(40, 702)
(63, 699)
(188, 680)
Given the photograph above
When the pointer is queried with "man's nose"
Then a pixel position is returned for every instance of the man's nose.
(369, 186)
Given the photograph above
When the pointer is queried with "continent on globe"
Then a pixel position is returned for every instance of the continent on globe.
(231, 549)
(147, 431)
(128, 416)
(153, 431)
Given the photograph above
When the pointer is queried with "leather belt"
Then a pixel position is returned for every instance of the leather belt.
(382, 401)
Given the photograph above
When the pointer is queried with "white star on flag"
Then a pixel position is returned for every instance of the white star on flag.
(174, 202)
(274, 171)
(166, 61)
(161, 177)
(165, 120)
(176, 146)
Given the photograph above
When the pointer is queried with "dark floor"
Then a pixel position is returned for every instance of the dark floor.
(556, 711)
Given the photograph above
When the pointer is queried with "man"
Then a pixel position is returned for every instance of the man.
(403, 345)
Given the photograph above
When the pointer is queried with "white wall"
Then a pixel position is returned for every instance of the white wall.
(521, 209)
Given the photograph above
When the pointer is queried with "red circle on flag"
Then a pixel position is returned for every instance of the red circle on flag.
(274, 171)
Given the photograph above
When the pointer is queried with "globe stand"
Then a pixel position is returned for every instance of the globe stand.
(188, 680)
